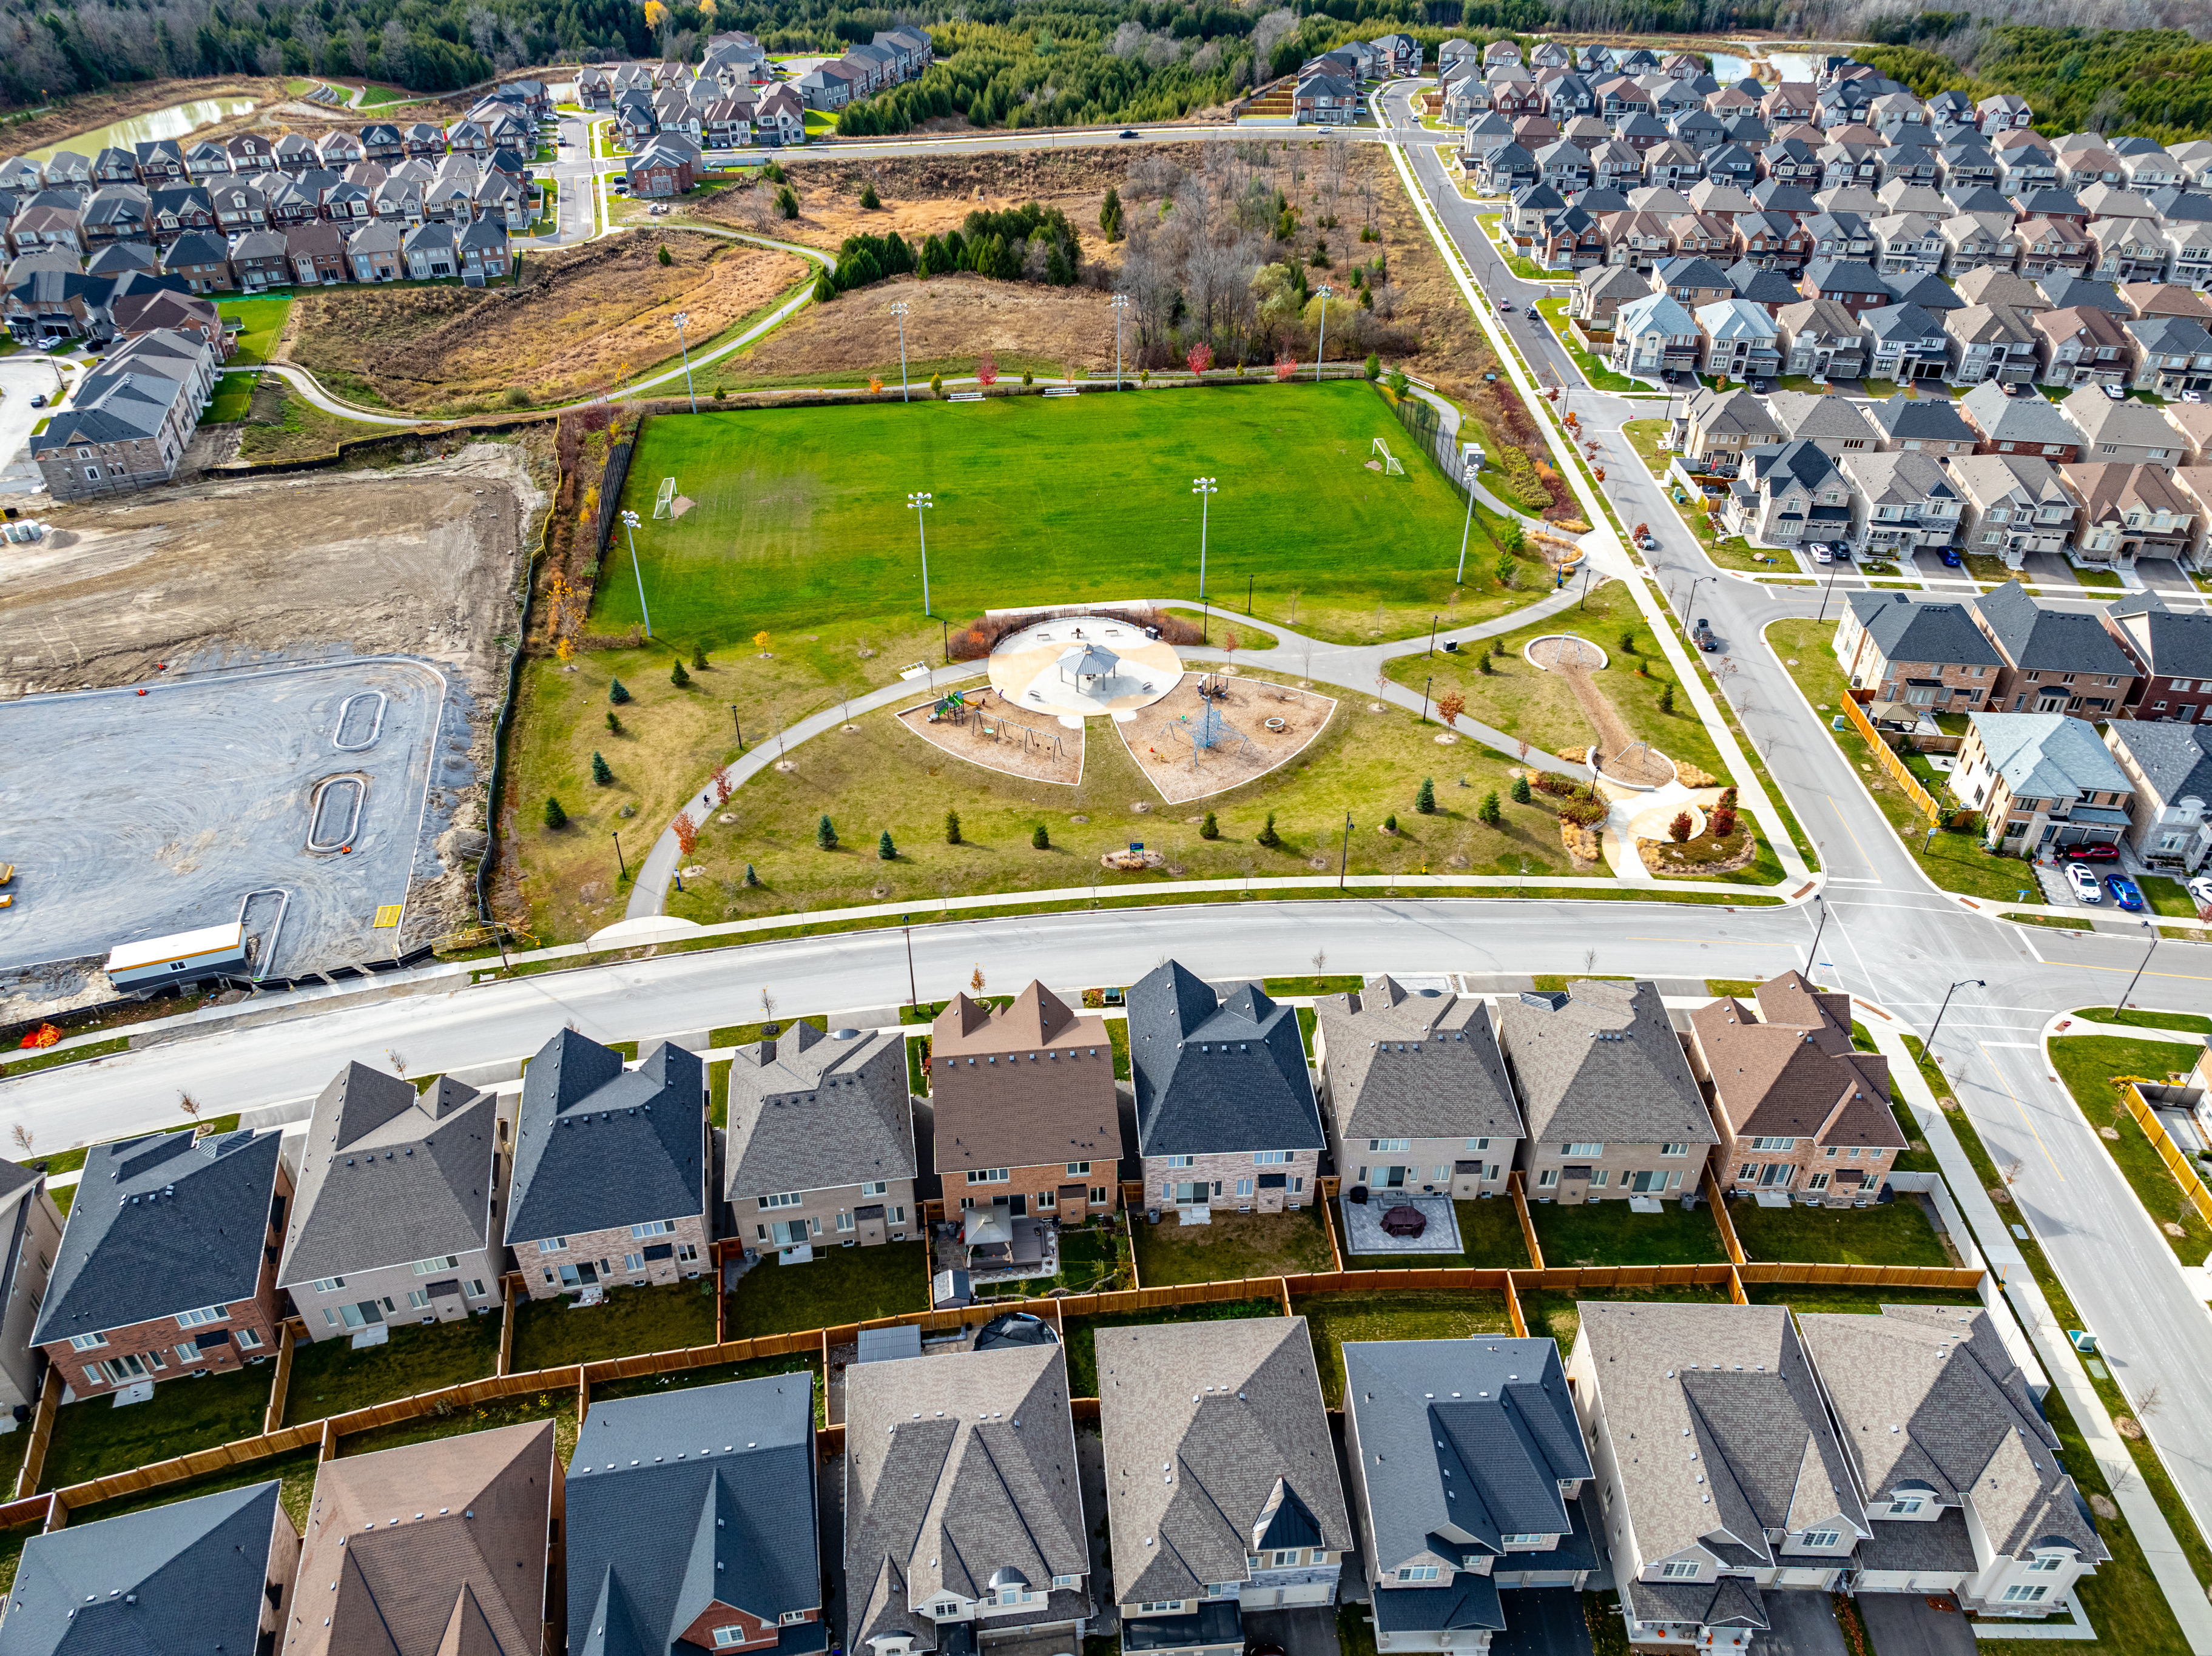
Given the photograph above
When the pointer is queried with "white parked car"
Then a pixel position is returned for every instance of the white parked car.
(2086, 888)
(2200, 891)
(1820, 553)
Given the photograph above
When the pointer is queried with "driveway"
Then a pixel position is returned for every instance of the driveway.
(23, 375)
(1308, 1632)
(2163, 576)
(1904, 1624)
(1542, 1621)
(2047, 569)
(1801, 1622)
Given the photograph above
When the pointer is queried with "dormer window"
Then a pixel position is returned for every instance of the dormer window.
(727, 1637)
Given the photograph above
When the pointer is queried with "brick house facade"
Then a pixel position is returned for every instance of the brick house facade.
(1244, 1181)
(1927, 654)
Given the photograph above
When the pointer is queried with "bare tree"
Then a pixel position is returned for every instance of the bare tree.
(22, 1135)
(1320, 959)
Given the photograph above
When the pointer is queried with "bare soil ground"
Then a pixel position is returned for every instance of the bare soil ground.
(1620, 755)
(90, 111)
(1160, 738)
(421, 561)
(1032, 747)
(579, 319)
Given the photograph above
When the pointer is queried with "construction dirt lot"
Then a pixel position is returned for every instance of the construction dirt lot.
(420, 561)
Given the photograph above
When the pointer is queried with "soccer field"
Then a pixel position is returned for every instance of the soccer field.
(800, 517)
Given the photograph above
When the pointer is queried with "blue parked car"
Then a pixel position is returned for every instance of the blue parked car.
(2124, 892)
(1951, 558)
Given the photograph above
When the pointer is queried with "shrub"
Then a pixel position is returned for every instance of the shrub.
(952, 827)
(601, 771)
(986, 370)
(1482, 664)
(678, 677)
(824, 288)
(886, 851)
(614, 724)
(1488, 811)
(786, 202)
(1722, 822)
(751, 878)
(1679, 829)
(936, 384)
(1374, 366)
(1267, 836)
(1425, 801)
(517, 397)
(1520, 790)
(1209, 829)
(1667, 697)
(1628, 641)
(825, 833)
(1557, 785)
(554, 816)
(720, 391)
(1109, 216)
(699, 655)
(772, 173)
(1727, 798)
(662, 256)
(869, 200)
(616, 692)
(1584, 813)
(1390, 824)
(1040, 839)
(1198, 358)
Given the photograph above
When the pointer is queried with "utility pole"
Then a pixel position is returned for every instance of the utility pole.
(913, 994)
(1205, 488)
(629, 528)
(899, 311)
(919, 505)
(681, 317)
(1321, 348)
(2148, 953)
(1120, 309)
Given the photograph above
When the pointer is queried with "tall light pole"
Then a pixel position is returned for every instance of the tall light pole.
(1321, 350)
(1978, 983)
(899, 311)
(680, 318)
(1834, 570)
(1205, 488)
(919, 505)
(1815, 948)
(1459, 577)
(2148, 953)
(629, 528)
(1120, 309)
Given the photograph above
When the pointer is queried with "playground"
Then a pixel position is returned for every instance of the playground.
(1212, 733)
(1619, 754)
(977, 726)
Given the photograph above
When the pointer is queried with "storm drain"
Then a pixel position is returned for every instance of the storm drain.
(360, 721)
(334, 813)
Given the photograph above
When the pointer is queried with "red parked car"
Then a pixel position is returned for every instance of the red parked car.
(2092, 853)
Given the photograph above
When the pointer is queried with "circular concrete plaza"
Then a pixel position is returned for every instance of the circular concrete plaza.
(1079, 667)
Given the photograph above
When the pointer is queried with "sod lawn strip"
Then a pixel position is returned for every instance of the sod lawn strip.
(2187, 1023)
(329, 1377)
(801, 1367)
(1234, 1247)
(1082, 1347)
(1490, 1240)
(92, 1437)
(261, 323)
(2088, 1064)
(1893, 1232)
(839, 1285)
(629, 1321)
(1550, 1312)
(1808, 1298)
(1333, 1318)
(1612, 1234)
(556, 1403)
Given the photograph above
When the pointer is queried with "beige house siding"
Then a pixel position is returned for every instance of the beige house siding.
(1614, 1170)
(1430, 1166)
(40, 1246)
(1225, 1173)
(400, 1293)
(829, 1217)
(609, 1253)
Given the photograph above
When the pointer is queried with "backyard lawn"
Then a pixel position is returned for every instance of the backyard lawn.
(2088, 1064)
(718, 1373)
(1083, 1349)
(1490, 1238)
(1809, 1298)
(233, 397)
(92, 1436)
(1896, 1233)
(1336, 1317)
(1610, 1233)
(548, 1333)
(839, 1285)
(556, 1403)
(329, 1377)
(262, 321)
(294, 1472)
(1235, 1245)
(1092, 1260)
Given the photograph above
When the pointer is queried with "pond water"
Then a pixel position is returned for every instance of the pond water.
(1729, 70)
(173, 122)
(1793, 66)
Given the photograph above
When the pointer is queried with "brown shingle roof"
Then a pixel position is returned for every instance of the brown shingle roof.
(1793, 1074)
(1030, 1083)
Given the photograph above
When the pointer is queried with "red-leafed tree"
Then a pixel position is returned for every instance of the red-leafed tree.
(1285, 367)
(687, 833)
(1679, 829)
(722, 784)
(1199, 357)
(987, 371)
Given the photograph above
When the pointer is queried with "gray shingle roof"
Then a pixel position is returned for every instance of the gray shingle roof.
(387, 1176)
(810, 1111)
(1216, 1074)
(1604, 1065)
(2037, 640)
(1940, 632)
(185, 1577)
(2175, 643)
(1472, 1436)
(597, 1145)
(2048, 755)
(1234, 1408)
(162, 1225)
(1405, 1065)
(2173, 758)
(2024, 419)
(1920, 419)
(682, 1500)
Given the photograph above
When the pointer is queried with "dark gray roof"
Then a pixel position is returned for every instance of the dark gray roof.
(1404, 1065)
(2173, 758)
(1905, 631)
(183, 1577)
(597, 1145)
(1603, 1065)
(162, 1225)
(2065, 291)
(1926, 289)
(1216, 1074)
(684, 1500)
(1470, 1603)
(1928, 420)
(1761, 286)
(2037, 640)
(1845, 275)
(810, 1111)
(1471, 1436)
(388, 1176)
(2177, 643)
(14, 1177)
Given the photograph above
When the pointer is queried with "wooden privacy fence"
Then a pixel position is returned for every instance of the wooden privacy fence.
(2182, 1169)
(1887, 757)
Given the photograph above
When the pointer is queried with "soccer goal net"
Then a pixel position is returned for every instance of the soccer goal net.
(1391, 467)
(664, 504)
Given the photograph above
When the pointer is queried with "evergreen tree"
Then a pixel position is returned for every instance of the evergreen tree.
(772, 173)
(1374, 366)
(614, 724)
(1487, 811)
(600, 771)
(952, 827)
(869, 200)
(825, 835)
(1209, 829)
(824, 288)
(751, 878)
(1040, 839)
(678, 677)
(664, 257)
(1628, 641)
(1520, 790)
(1667, 697)
(1109, 216)
(554, 816)
(886, 851)
(786, 202)
(1390, 824)
(1267, 836)
(699, 655)
(615, 693)
(1482, 663)
(1425, 801)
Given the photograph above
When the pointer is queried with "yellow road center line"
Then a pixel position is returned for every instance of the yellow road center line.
(2022, 1108)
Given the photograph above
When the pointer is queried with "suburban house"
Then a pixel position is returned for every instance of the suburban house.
(964, 1522)
(661, 170)
(2013, 506)
(1819, 338)
(1653, 336)
(1024, 1104)
(215, 1569)
(33, 1222)
(820, 1145)
(1470, 1475)
(2121, 434)
(2171, 651)
(2130, 513)
(2055, 661)
(2170, 354)
(2039, 779)
(1250, 1516)
(396, 1215)
(612, 1167)
(2169, 767)
(1927, 655)
(1954, 1464)
(1802, 1113)
(1832, 424)
(178, 1275)
(1901, 502)
(1611, 1106)
(717, 1470)
(436, 1548)
(2082, 346)
(1769, 1501)
(1413, 1091)
(2018, 425)
(1920, 425)
(1788, 494)
(2192, 422)
(1736, 340)
(1716, 427)
(127, 425)
(1225, 1110)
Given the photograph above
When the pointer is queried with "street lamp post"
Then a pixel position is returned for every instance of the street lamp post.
(1978, 984)
(680, 318)
(1459, 577)
(2148, 953)
(738, 728)
(620, 861)
(913, 994)
(1205, 488)
(1321, 350)
(1120, 309)
(1817, 931)
(920, 505)
(1690, 598)
(899, 311)
(629, 529)
(1345, 861)
(1834, 570)
(1427, 684)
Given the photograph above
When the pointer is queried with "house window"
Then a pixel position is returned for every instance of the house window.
(328, 1284)
(2024, 1595)
(1270, 1158)
(1905, 1505)
(1418, 1572)
(633, 1262)
(1527, 1540)
(1065, 1581)
(844, 1220)
(1549, 1177)
(1822, 1537)
(442, 1262)
(1673, 1149)
(560, 1244)
(788, 1199)
(248, 1339)
(727, 1636)
(87, 1342)
(418, 1298)
(1773, 1144)
(1078, 1170)
(651, 1227)
(1680, 1571)
(1582, 1149)
(206, 1313)
(1818, 1181)
(1397, 1144)
(1244, 1187)
(989, 1176)
(1180, 1161)
(1478, 1143)
(1600, 1177)
(476, 1287)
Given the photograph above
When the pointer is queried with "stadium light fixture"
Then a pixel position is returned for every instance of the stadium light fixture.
(680, 318)
(1321, 350)
(1120, 309)
(899, 311)
(919, 505)
(1205, 488)
(629, 529)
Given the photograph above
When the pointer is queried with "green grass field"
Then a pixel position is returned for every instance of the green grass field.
(263, 320)
(233, 397)
(801, 518)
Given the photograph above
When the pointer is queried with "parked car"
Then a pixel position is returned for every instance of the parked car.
(1841, 548)
(1702, 633)
(1127, 132)
(38, 400)
(2200, 892)
(2193, 397)
(2116, 393)
(1951, 558)
(1757, 387)
(2086, 888)
(2124, 892)
(2092, 853)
